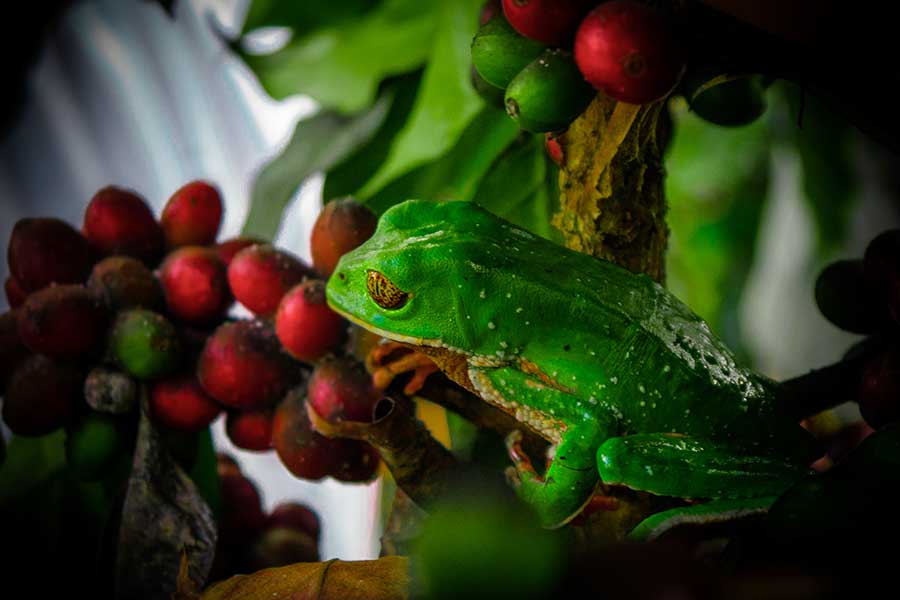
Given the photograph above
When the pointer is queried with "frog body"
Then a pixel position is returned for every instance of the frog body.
(628, 384)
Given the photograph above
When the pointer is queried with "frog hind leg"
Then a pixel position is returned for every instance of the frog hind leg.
(687, 467)
(571, 476)
(708, 513)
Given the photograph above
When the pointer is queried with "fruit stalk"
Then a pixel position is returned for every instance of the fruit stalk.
(612, 201)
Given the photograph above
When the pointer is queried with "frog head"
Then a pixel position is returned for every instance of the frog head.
(421, 278)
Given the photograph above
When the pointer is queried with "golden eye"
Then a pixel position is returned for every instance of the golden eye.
(383, 291)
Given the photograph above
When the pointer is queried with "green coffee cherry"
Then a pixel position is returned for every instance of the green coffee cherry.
(549, 93)
(730, 102)
(93, 445)
(499, 52)
(145, 344)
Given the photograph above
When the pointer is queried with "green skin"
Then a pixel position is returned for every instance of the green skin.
(628, 384)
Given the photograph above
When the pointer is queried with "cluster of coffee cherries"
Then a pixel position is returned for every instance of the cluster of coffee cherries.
(133, 309)
(544, 60)
(251, 539)
(863, 296)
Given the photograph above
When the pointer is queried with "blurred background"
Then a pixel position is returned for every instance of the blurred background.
(120, 92)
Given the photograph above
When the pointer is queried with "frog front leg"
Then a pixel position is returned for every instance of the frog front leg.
(571, 475)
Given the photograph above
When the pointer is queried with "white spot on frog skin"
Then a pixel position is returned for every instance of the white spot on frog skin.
(593, 353)
(482, 294)
(649, 470)
(503, 344)
(643, 403)
(508, 295)
(592, 400)
(687, 411)
(666, 369)
(519, 309)
(614, 380)
(528, 322)
(641, 388)
(491, 325)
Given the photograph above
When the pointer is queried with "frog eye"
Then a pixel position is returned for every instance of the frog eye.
(383, 291)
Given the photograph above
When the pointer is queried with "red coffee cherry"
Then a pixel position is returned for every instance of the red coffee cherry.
(118, 221)
(341, 226)
(293, 515)
(881, 269)
(250, 430)
(42, 396)
(226, 465)
(355, 462)
(553, 148)
(304, 452)
(242, 366)
(195, 285)
(340, 388)
(15, 295)
(628, 51)
(45, 251)
(124, 282)
(63, 321)
(307, 328)
(192, 215)
(12, 350)
(550, 21)
(181, 403)
(242, 517)
(260, 276)
(229, 248)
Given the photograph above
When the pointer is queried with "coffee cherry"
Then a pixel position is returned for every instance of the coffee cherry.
(242, 366)
(181, 403)
(307, 328)
(279, 547)
(15, 295)
(110, 391)
(250, 430)
(628, 51)
(42, 396)
(879, 391)
(492, 95)
(552, 22)
(843, 298)
(192, 215)
(881, 268)
(303, 451)
(355, 462)
(499, 52)
(292, 515)
(124, 282)
(260, 276)
(242, 517)
(94, 443)
(12, 350)
(195, 285)
(342, 225)
(63, 321)
(340, 388)
(553, 148)
(226, 465)
(227, 249)
(548, 94)
(45, 251)
(145, 344)
(118, 221)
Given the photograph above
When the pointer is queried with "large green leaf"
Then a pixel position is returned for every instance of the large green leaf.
(520, 186)
(341, 65)
(446, 103)
(456, 174)
(302, 17)
(349, 176)
(317, 144)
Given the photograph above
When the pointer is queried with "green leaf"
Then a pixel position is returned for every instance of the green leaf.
(317, 144)
(341, 65)
(346, 178)
(520, 186)
(446, 104)
(456, 174)
(303, 17)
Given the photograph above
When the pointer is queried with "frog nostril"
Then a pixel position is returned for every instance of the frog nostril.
(341, 276)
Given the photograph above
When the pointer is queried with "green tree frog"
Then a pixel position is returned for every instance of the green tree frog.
(629, 386)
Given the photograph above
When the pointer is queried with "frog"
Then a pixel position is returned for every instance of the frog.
(627, 385)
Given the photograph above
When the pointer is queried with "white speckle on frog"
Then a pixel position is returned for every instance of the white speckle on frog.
(573, 378)
(554, 373)
(653, 405)
(666, 369)
(592, 400)
(643, 403)
(491, 325)
(614, 380)
(508, 295)
(519, 309)
(528, 322)
(687, 411)
(482, 294)
(503, 344)
(641, 388)
(649, 470)
(502, 382)
(592, 353)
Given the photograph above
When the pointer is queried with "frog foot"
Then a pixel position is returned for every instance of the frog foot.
(521, 462)
(386, 365)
